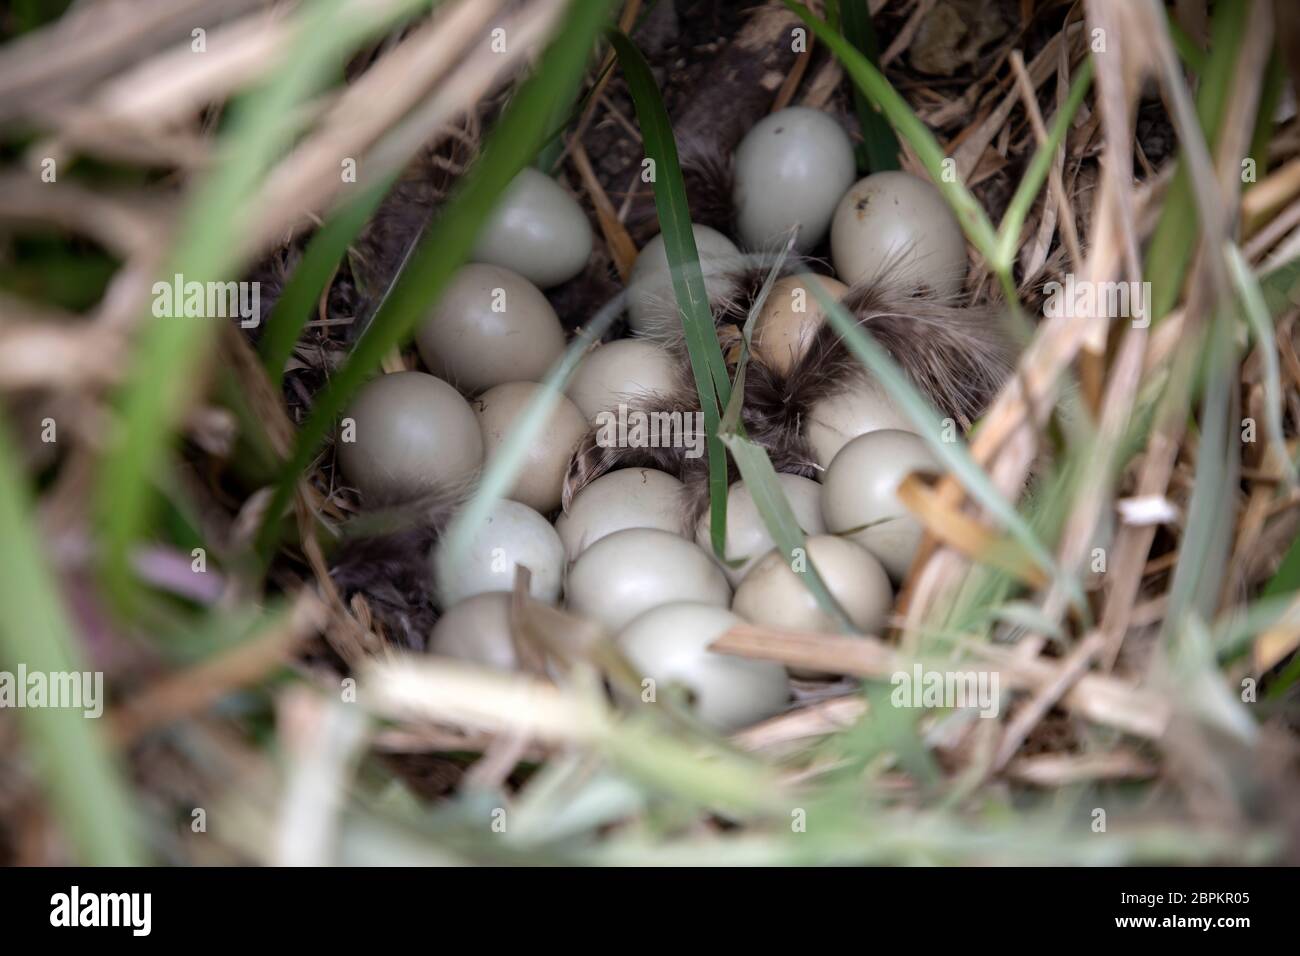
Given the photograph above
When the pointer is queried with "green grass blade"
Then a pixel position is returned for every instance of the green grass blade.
(760, 478)
(1018, 209)
(68, 749)
(303, 290)
(906, 124)
(164, 367)
(707, 364)
(508, 462)
(879, 149)
(1170, 251)
(953, 455)
(1204, 549)
(1261, 326)
(449, 240)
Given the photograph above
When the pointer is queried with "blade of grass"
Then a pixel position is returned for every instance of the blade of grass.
(1205, 541)
(707, 364)
(509, 459)
(164, 365)
(760, 477)
(906, 124)
(297, 303)
(1261, 326)
(879, 149)
(1032, 181)
(70, 753)
(1171, 247)
(952, 454)
(448, 242)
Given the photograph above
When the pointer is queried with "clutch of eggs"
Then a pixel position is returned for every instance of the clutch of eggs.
(622, 555)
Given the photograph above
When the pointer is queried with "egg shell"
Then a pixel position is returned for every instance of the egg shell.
(627, 573)
(541, 477)
(669, 645)
(860, 491)
(790, 318)
(624, 371)
(477, 629)
(537, 230)
(842, 416)
(772, 594)
(627, 498)
(897, 228)
(747, 535)
(490, 326)
(413, 434)
(791, 169)
(652, 303)
(513, 534)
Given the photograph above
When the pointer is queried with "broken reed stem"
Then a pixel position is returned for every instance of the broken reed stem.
(1102, 700)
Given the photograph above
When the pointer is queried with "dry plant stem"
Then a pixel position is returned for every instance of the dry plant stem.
(1028, 717)
(323, 742)
(70, 56)
(823, 85)
(1268, 195)
(1118, 79)
(959, 531)
(167, 89)
(1064, 770)
(622, 250)
(1133, 543)
(793, 79)
(971, 151)
(816, 720)
(309, 179)
(195, 690)
(125, 224)
(904, 38)
(1055, 180)
(1102, 700)
(626, 21)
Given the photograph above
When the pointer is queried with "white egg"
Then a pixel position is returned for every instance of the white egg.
(477, 629)
(670, 645)
(747, 536)
(898, 228)
(792, 168)
(790, 318)
(408, 434)
(629, 572)
(842, 416)
(513, 534)
(491, 326)
(537, 230)
(627, 498)
(860, 492)
(652, 303)
(541, 478)
(773, 595)
(624, 371)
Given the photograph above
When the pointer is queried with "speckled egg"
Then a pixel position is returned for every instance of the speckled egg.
(897, 228)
